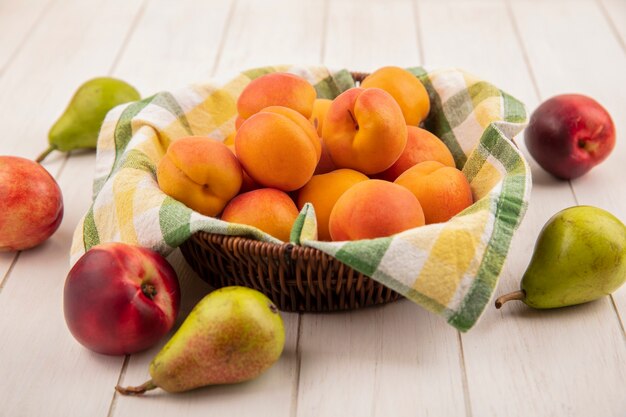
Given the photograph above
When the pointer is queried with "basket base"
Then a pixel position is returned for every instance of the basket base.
(295, 278)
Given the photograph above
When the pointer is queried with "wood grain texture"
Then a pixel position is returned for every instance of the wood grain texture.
(519, 361)
(392, 360)
(40, 361)
(17, 21)
(272, 32)
(615, 13)
(367, 35)
(174, 44)
(396, 358)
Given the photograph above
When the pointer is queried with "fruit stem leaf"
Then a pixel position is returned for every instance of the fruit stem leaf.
(515, 295)
(45, 153)
(146, 386)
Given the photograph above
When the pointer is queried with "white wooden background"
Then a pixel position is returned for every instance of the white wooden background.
(397, 360)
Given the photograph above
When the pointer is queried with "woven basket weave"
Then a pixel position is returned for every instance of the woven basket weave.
(295, 278)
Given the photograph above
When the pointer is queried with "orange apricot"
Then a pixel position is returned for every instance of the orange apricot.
(200, 172)
(374, 208)
(442, 191)
(277, 89)
(421, 145)
(267, 209)
(278, 148)
(364, 130)
(405, 88)
(323, 191)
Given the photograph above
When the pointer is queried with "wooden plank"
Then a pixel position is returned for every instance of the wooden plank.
(270, 33)
(598, 75)
(17, 21)
(256, 34)
(370, 34)
(522, 362)
(615, 13)
(175, 44)
(398, 359)
(44, 370)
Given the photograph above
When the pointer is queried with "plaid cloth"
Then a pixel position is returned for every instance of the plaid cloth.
(449, 268)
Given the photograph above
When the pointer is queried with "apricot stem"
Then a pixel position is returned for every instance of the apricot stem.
(515, 295)
(146, 386)
(45, 153)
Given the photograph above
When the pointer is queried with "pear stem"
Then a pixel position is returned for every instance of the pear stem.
(146, 386)
(515, 295)
(45, 153)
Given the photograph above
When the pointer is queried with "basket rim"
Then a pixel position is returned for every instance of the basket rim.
(292, 250)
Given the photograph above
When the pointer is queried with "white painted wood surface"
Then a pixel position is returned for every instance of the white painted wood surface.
(395, 360)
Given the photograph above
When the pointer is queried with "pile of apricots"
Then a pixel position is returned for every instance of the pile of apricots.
(361, 160)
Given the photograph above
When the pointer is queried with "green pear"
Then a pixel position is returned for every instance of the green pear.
(79, 125)
(232, 335)
(580, 256)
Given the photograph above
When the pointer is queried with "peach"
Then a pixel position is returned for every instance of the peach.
(374, 208)
(405, 88)
(200, 172)
(442, 191)
(267, 209)
(364, 130)
(279, 148)
(277, 89)
(421, 145)
(323, 191)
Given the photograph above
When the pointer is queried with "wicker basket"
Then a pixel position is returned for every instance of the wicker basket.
(295, 278)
